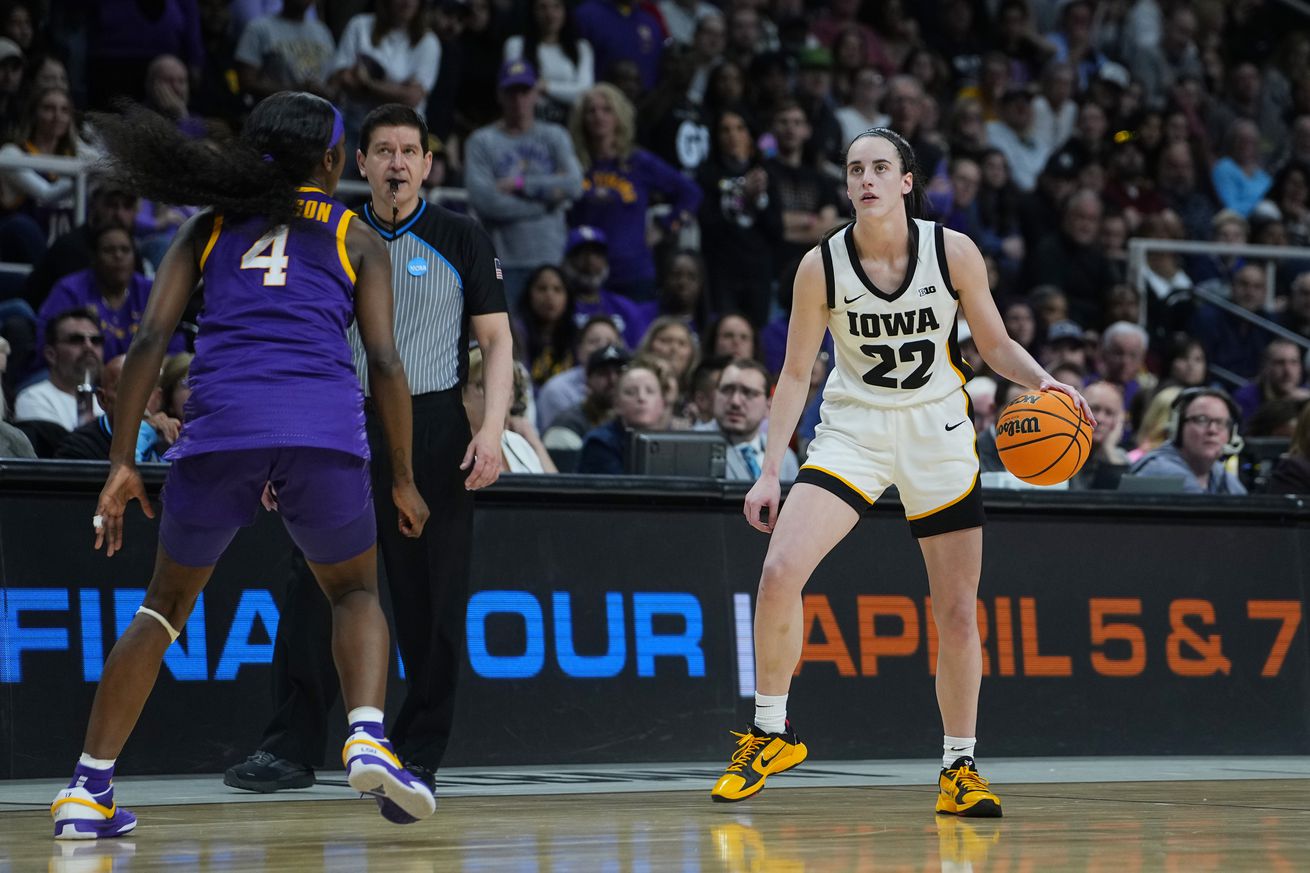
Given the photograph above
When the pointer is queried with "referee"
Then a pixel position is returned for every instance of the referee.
(446, 282)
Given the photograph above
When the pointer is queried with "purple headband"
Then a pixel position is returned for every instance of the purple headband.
(338, 131)
(338, 128)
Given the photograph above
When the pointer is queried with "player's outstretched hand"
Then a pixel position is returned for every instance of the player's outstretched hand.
(122, 487)
(762, 503)
(1074, 393)
(411, 509)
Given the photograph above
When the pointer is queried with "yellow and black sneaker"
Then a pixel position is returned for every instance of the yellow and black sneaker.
(961, 791)
(758, 756)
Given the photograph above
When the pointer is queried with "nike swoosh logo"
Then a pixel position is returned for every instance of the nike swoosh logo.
(763, 763)
(954, 426)
(849, 300)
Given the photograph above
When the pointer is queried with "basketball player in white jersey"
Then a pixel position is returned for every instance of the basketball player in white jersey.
(888, 286)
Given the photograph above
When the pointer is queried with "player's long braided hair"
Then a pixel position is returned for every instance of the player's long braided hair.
(916, 201)
(255, 174)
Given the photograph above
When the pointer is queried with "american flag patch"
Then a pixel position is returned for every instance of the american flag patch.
(499, 274)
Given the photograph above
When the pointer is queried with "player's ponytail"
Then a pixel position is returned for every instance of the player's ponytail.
(255, 174)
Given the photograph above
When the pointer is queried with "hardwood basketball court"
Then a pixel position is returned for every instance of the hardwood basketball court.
(1116, 815)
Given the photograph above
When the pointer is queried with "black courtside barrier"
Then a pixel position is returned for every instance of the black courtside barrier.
(610, 618)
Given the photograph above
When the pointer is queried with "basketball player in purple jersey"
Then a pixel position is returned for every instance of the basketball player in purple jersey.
(274, 398)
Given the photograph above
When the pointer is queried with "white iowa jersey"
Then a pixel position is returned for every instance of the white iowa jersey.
(894, 347)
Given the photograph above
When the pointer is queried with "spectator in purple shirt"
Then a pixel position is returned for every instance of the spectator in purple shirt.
(618, 184)
(622, 31)
(111, 288)
(586, 269)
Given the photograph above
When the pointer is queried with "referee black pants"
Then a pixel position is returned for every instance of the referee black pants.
(427, 579)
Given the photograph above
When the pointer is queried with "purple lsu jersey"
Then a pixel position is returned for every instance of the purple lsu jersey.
(272, 365)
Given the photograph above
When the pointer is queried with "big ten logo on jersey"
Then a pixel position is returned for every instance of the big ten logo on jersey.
(314, 210)
(927, 289)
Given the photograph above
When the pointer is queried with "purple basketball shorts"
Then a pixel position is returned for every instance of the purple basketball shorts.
(323, 496)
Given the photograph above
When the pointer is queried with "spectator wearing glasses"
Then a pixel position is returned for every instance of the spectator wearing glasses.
(1202, 431)
(74, 351)
(91, 441)
(741, 405)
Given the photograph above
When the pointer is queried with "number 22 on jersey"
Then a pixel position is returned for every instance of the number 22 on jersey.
(274, 263)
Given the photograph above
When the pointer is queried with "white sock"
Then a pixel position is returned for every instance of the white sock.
(364, 713)
(771, 712)
(954, 748)
(96, 763)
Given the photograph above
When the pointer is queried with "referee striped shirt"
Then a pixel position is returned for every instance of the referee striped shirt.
(443, 272)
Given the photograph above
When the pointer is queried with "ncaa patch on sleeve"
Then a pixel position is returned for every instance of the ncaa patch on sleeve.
(499, 274)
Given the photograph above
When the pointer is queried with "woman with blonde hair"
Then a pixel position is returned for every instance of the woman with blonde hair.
(521, 448)
(1155, 422)
(670, 339)
(639, 405)
(174, 389)
(618, 184)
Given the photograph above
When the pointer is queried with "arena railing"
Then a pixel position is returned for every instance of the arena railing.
(1140, 247)
(443, 196)
(82, 168)
(78, 168)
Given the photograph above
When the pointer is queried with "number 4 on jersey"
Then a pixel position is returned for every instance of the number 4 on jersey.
(274, 264)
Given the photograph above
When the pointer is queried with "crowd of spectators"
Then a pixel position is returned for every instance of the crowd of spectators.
(651, 173)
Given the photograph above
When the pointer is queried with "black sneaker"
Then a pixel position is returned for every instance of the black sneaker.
(265, 772)
(426, 775)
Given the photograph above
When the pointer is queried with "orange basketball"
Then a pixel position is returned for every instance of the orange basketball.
(1043, 438)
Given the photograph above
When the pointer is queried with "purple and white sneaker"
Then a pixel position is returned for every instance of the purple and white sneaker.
(372, 768)
(81, 815)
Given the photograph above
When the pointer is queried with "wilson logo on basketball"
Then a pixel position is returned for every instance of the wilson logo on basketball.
(1043, 438)
(1014, 426)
